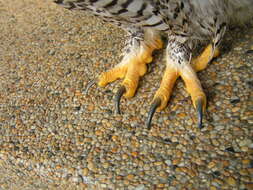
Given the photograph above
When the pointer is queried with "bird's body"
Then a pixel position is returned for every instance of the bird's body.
(191, 19)
(186, 22)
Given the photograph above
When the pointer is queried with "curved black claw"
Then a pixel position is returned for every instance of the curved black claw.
(199, 108)
(118, 96)
(156, 103)
(88, 86)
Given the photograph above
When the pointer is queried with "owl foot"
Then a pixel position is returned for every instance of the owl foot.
(162, 95)
(132, 67)
(201, 62)
(193, 86)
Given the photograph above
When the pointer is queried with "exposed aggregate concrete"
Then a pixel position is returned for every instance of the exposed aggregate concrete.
(54, 136)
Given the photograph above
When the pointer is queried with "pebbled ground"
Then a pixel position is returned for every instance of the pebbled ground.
(54, 136)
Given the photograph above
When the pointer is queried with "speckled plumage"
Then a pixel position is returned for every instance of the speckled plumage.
(187, 23)
(191, 20)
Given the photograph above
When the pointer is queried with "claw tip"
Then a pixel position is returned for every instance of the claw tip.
(199, 108)
(118, 96)
(156, 103)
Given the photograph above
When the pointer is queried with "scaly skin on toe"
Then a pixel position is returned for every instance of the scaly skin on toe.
(163, 93)
(189, 76)
(131, 68)
(193, 85)
(200, 63)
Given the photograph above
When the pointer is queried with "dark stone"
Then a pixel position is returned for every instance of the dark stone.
(230, 149)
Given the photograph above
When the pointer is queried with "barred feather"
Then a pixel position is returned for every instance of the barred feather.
(190, 20)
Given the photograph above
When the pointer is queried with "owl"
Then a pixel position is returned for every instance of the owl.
(187, 24)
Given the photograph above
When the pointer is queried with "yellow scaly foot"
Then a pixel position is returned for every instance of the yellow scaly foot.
(132, 67)
(193, 85)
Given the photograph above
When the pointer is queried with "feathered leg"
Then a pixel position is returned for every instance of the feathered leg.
(137, 54)
(179, 63)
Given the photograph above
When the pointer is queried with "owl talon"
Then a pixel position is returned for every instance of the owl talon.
(193, 86)
(88, 86)
(117, 99)
(199, 107)
(156, 103)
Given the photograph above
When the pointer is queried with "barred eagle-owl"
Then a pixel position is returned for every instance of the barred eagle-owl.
(186, 23)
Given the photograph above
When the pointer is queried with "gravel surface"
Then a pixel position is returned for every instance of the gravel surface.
(54, 136)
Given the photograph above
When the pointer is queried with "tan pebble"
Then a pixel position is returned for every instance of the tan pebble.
(114, 138)
(213, 188)
(106, 165)
(83, 185)
(236, 129)
(126, 182)
(125, 156)
(246, 179)
(134, 154)
(140, 163)
(174, 139)
(114, 150)
(130, 177)
(135, 143)
(226, 173)
(231, 181)
(249, 186)
(246, 162)
(243, 172)
(185, 170)
(141, 174)
(87, 140)
(72, 170)
(161, 185)
(182, 169)
(211, 165)
(225, 163)
(108, 124)
(192, 173)
(245, 149)
(58, 167)
(250, 170)
(215, 142)
(179, 153)
(174, 183)
(119, 177)
(98, 132)
(199, 161)
(118, 118)
(178, 169)
(176, 161)
(85, 171)
(51, 173)
(97, 149)
(163, 174)
(158, 163)
(92, 167)
(91, 107)
(78, 93)
(181, 115)
(184, 142)
(104, 180)
(236, 109)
